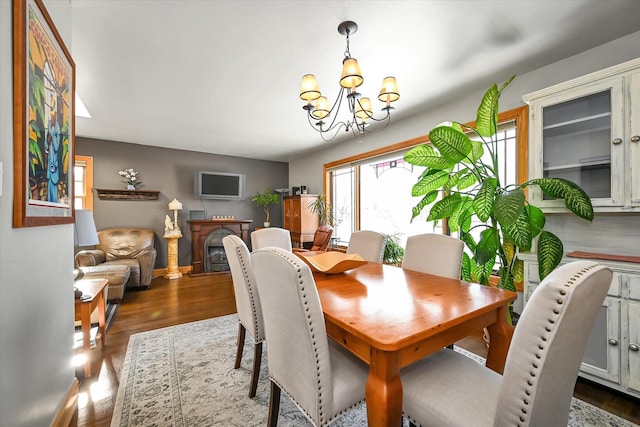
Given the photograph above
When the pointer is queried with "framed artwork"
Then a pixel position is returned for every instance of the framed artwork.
(43, 119)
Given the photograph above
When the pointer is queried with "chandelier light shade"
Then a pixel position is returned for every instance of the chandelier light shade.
(324, 118)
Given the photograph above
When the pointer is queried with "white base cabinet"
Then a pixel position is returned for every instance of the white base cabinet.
(612, 356)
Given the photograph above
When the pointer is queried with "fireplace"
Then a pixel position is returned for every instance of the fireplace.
(207, 252)
(215, 258)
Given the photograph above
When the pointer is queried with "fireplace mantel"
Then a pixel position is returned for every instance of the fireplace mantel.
(200, 229)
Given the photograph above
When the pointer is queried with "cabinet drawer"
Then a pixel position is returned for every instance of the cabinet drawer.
(533, 278)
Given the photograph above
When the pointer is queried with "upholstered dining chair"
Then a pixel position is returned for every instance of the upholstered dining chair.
(271, 236)
(541, 367)
(432, 253)
(247, 303)
(368, 244)
(323, 379)
(321, 239)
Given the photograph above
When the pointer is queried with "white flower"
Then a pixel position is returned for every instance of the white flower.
(130, 176)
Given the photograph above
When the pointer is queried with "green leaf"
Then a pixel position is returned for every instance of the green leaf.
(506, 279)
(553, 187)
(488, 245)
(477, 151)
(429, 198)
(575, 198)
(536, 219)
(483, 202)
(429, 182)
(520, 232)
(417, 155)
(467, 181)
(509, 250)
(550, 252)
(507, 206)
(487, 117)
(461, 217)
(578, 202)
(445, 207)
(451, 143)
(465, 268)
(468, 239)
(453, 179)
(518, 271)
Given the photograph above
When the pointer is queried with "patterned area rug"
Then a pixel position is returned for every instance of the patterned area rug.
(183, 376)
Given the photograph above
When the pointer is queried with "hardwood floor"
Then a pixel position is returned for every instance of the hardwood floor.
(188, 299)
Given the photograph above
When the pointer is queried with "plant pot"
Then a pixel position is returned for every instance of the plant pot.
(266, 224)
(131, 187)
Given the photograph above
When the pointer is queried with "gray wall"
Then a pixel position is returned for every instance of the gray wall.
(171, 172)
(576, 234)
(36, 296)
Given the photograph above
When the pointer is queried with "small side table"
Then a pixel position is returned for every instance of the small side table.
(93, 291)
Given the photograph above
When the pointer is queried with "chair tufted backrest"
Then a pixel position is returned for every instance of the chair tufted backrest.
(548, 345)
(368, 244)
(298, 347)
(244, 286)
(432, 253)
(272, 236)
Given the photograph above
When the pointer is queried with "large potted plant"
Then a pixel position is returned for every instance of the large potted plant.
(265, 199)
(471, 187)
(323, 209)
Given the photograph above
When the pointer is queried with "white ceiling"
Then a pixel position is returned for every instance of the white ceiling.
(223, 76)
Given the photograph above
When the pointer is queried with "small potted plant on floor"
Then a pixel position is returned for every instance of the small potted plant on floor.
(265, 199)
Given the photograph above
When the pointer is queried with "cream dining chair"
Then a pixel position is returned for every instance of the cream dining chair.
(247, 303)
(324, 380)
(432, 253)
(450, 389)
(368, 244)
(272, 236)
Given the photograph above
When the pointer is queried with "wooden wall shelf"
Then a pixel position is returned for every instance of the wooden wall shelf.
(105, 194)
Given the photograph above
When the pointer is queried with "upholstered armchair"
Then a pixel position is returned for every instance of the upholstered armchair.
(132, 247)
(321, 240)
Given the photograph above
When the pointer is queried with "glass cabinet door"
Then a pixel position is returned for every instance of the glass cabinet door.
(581, 139)
(576, 143)
(580, 135)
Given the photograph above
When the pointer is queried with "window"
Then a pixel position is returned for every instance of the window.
(372, 191)
(83, 182)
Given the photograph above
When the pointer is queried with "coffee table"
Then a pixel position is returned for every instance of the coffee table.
(93, 296)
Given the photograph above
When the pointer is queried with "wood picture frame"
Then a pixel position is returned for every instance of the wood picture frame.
(43, 119)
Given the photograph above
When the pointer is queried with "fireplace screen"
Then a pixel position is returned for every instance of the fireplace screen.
(214, 255)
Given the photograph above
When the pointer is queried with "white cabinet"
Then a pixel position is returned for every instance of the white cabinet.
(587, 130)
(612, 356)
(633, 344)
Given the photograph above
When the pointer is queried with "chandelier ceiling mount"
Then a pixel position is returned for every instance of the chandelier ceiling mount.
(360, 109)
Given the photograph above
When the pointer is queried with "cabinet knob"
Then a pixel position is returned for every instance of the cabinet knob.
(634, 347)
(617, 141)
(613, 341)
(635, 138)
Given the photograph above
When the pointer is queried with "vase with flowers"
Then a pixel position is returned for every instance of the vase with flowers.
(130, 178)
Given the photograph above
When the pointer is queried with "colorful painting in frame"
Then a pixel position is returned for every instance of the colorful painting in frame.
(43, 103)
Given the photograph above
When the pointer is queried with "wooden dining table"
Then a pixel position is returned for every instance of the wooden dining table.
(390, 318)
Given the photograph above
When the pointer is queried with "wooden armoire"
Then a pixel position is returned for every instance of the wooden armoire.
(299, 219)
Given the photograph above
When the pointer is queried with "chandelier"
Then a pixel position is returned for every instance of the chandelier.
(324, 119)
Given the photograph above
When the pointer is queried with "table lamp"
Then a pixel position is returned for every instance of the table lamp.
(175, 206)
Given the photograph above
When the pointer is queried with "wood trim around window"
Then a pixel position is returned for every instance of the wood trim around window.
(520, 115)
(88, 180)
